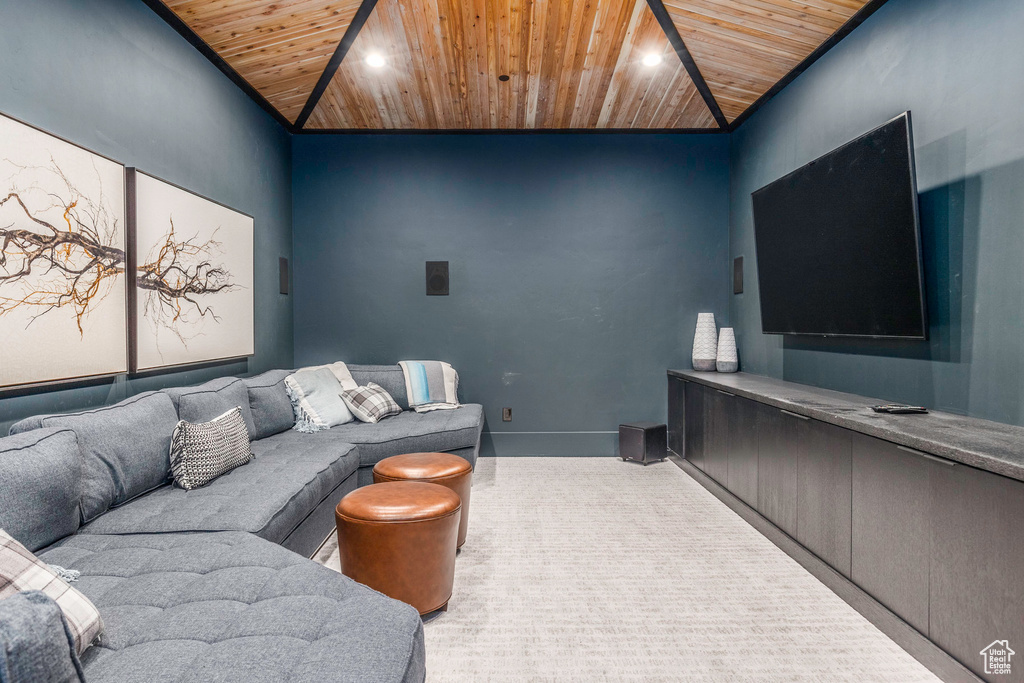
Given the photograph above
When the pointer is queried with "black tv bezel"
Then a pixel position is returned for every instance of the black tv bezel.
(917, 230)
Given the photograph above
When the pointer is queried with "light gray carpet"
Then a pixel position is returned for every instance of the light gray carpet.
(592, 569)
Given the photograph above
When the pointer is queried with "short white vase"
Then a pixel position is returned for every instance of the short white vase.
(705, 343)
(728, 359)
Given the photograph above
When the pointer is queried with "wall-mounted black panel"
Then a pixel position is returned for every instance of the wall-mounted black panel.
(437, 278)
(282, 268)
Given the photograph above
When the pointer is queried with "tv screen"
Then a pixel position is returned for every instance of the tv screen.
(839, 244)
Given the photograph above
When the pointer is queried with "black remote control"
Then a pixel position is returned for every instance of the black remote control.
(896, 409)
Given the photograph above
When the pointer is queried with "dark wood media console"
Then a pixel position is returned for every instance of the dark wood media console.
(924, 513)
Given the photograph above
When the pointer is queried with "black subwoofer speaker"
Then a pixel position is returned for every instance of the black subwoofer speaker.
(437, 278)
(643, 441)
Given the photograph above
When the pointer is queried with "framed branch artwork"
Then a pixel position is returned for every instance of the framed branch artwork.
(63, 289)
(192, 277)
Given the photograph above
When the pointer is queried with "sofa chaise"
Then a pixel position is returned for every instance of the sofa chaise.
(214, 583)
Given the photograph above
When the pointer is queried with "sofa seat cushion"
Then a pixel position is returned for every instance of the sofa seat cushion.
(410, 432)
(231, 607)
(269, 496)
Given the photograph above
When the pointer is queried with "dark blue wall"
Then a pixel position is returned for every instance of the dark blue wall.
(578, 266)
(112, 76)
(956, 65)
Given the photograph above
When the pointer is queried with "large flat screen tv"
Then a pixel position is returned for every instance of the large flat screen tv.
(839, 242)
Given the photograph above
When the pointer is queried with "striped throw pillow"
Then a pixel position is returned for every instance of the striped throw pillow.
(370, 403)
(20, 571)
(202, 452)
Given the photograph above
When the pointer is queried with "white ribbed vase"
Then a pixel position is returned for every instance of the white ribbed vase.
(728, 357)
(705, 343)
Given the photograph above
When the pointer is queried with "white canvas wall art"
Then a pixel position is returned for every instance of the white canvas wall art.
(63, 295)
(193, 277)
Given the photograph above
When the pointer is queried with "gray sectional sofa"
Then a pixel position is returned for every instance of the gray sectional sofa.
(214, 583)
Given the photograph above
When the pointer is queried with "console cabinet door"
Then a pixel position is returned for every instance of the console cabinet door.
(977, 565)
(891, 546)
(823, 505)
(717, 418)
(742, 449)
(693, 435)
(777, 466)
(676, 415)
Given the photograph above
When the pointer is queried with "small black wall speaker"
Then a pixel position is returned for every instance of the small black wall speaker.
(437, 278)
(282, 268)
(737, 275)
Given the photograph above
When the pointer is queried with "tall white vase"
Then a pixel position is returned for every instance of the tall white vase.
(705, 343)
(728, 357)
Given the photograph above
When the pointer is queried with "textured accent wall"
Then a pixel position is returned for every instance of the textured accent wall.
(112, 76)
(950, 62)
(578, 266)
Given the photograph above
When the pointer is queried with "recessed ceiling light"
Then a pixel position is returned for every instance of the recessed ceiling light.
(651, 59)
(375, 60)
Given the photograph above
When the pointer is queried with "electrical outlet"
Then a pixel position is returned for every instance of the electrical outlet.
(506, 414)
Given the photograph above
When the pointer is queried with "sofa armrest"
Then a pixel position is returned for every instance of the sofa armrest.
(35, 643)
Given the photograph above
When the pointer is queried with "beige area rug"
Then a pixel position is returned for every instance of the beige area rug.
(593, 569)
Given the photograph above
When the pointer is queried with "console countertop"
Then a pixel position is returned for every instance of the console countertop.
(991, 446)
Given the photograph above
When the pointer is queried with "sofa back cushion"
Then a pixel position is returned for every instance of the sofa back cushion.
(269, 404)
(125, 448)
(216, 397)
(388, 377)
(40, 486)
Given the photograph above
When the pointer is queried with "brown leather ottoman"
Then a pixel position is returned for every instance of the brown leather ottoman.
(399, 538)
(445, 469)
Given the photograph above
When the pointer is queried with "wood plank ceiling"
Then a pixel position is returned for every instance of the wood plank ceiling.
(515, 64)
(279, 46)
(569, 65)
(744, 47)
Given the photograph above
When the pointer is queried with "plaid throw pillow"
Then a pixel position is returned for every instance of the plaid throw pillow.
(202, 452)
(370, 403)
(20, 570)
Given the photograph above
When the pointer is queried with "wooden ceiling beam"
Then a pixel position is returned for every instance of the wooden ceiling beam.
(365, 9)
(672, 33)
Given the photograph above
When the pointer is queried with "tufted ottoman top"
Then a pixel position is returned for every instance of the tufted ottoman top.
(228, 606)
